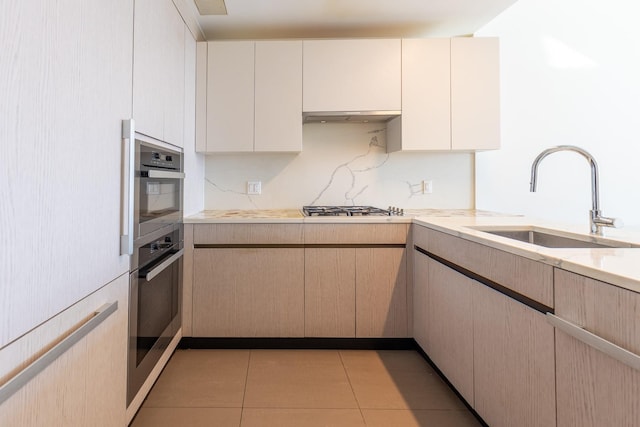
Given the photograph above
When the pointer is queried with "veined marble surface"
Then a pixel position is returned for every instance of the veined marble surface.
(618, 266)
(295, 215)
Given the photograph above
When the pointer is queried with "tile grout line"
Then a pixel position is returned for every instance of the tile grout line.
(244, 392)
(355, 396)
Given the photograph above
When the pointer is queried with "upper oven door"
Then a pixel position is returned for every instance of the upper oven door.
(158, 189)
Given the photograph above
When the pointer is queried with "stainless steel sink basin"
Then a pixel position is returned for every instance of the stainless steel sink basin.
(554, 238)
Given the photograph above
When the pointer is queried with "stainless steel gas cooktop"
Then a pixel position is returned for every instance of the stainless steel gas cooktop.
(349, 211)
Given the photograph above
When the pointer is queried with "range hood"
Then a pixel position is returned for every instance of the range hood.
(348, 116)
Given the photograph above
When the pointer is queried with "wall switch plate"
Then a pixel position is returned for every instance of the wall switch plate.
(254, 187)
(427, 187)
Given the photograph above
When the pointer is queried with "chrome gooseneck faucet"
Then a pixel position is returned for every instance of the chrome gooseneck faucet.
(596, 219)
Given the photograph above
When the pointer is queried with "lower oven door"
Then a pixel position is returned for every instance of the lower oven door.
(154, 316)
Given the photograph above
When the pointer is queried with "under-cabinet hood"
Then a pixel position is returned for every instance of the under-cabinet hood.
(348, 116)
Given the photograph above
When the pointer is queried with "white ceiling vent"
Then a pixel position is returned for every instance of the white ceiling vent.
(211, 7)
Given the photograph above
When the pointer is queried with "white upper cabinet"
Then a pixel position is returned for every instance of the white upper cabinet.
(352, 75)
(158, 70)
(475, 93)
(426, 96)
(253, 96)
(278, 96)
(230, 96)
(450, 96)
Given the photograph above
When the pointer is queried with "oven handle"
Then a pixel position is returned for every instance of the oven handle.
(127, 187)
(160, 267)
(165, 174)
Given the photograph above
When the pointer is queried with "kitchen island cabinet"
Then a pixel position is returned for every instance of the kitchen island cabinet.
(594, 388)
(480, 330)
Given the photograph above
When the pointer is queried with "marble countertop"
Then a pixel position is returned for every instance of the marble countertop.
(618, 266)
(296, 216)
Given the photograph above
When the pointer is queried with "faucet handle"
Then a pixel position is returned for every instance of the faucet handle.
(603, 221)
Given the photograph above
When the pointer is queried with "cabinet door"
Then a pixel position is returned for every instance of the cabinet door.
(248, 292)
(174, 99)
(421, 300)
(352, 75)
(475, 93)
(230, 96)
(330, 292)
(426, 95)
(158, 70)
(514, 370)
(594, 389)
(86, 385)
(381, 292)
(148, 67)
(278, 96)
(450, 319)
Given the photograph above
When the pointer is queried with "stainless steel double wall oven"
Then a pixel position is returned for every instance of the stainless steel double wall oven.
(155, 243)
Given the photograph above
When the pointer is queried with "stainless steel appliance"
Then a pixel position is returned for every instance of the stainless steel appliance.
(155, 289)
(158, 187)
(152, 234)
(350, 211)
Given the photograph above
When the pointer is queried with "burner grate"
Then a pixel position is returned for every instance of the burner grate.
(345, 211)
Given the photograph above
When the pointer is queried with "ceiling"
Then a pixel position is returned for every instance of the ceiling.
(278, 19)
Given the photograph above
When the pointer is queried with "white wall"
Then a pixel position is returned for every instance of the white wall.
(569, 75)
(340, 164)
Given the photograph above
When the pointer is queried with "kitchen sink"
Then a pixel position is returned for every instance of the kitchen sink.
(554, 238)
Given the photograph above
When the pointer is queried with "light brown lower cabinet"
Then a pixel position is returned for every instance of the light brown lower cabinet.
(496, 351)
(595, 389)
(421, 299)
(355, 292)
(513, 369)
(248, 292)
(381, 293)
(450, 326)
(330, 292)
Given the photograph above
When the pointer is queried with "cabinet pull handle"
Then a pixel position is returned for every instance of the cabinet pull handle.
(25, 375)
(165, 174)
(161, 267)
(610, 349)
(128, 186)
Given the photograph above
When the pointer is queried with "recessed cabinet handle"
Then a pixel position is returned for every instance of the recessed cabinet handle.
(24, 376)
(610, 349)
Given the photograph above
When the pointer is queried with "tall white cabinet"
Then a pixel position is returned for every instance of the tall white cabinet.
(159, 70)
(65, 80)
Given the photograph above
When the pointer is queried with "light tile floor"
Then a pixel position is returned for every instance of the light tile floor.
(300, 388)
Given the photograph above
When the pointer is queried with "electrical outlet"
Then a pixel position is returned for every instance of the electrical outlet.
(427, 187)
(254, 187)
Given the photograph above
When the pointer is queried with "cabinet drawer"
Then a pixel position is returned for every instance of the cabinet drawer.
(355, 233)
(527, 277)
(247, 234)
